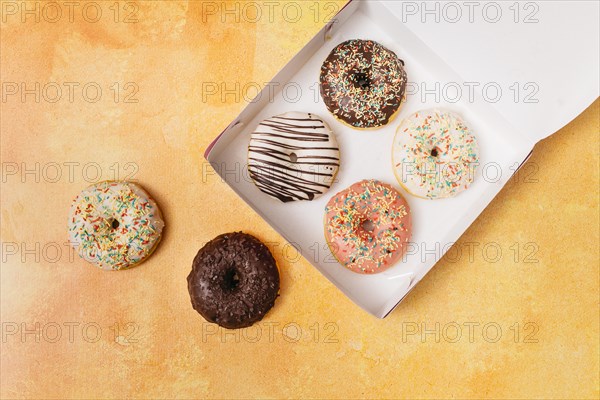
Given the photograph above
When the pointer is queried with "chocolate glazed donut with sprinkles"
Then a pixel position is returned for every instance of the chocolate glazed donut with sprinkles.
(293, 156)
(368, 226)
(363, 83)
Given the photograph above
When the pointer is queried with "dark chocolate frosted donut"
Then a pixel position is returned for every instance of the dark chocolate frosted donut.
(363, 83)
(234, 280)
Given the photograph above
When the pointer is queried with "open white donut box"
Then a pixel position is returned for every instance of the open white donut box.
(554, 61)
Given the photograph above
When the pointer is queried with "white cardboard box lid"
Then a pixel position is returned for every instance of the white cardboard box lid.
(554, 45)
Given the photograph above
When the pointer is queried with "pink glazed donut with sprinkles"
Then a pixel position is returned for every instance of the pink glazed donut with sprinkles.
(434, 154)
(114, 225)
(368, 226)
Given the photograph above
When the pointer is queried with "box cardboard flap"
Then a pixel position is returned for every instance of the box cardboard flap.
(543, 56)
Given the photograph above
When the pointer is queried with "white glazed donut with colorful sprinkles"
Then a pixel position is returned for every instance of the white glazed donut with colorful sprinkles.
(434, 154)
(114, 225)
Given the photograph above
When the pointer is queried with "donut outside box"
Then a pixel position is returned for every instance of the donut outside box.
(234, 280)
(114, 225)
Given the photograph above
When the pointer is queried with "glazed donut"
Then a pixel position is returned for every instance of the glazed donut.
(114, 225)
(293, 156)
(234, 280)
(362, 83)
(367, 226)
(434, 154)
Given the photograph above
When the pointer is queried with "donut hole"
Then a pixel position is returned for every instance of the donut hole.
(114, 224)
(293, 157)
(361, 80)
(231, 279)
(368, 225)
(435, 152)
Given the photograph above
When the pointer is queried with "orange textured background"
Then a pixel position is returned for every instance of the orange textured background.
(151, 342)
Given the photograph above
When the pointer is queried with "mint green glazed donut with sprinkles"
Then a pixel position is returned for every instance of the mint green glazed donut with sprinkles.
(114, 225)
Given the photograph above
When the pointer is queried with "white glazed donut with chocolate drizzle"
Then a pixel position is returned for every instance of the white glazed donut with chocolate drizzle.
(293, 156)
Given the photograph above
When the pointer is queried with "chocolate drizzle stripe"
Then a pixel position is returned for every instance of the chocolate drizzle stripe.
(274, 166)
(270, 152)
(282, 177)
(292, 147)
(299, 119)
(290, 127)
(285, 190)
(301, 139)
